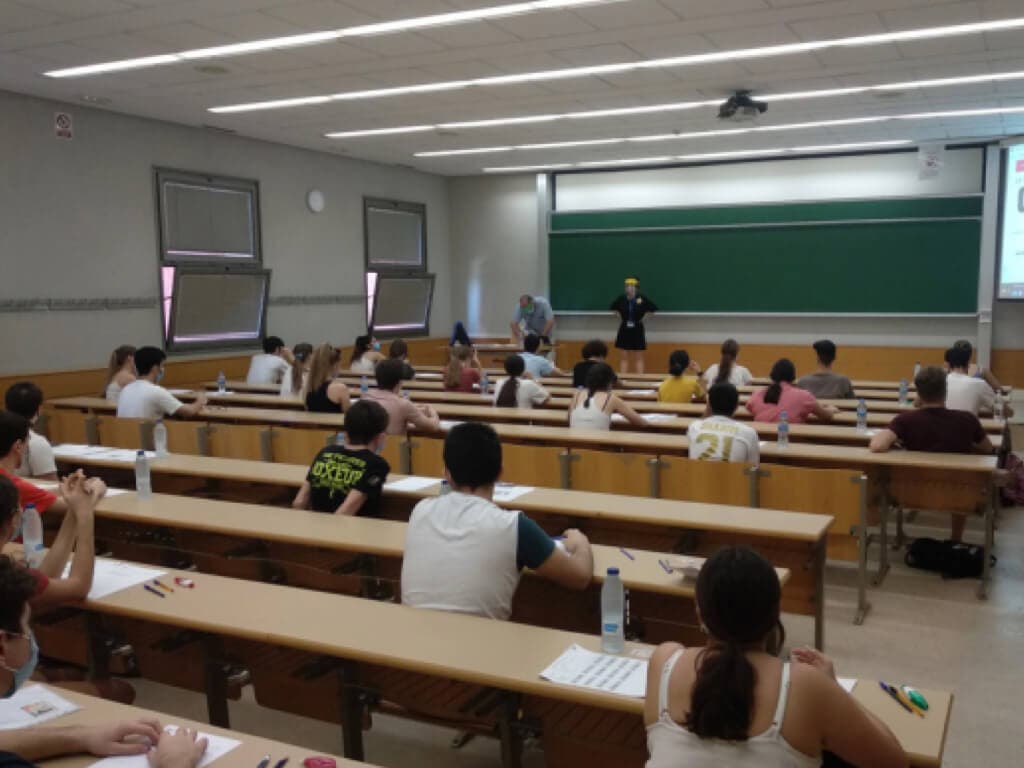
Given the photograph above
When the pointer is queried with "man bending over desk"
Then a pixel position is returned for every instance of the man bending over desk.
(464, 553)
(934, 427)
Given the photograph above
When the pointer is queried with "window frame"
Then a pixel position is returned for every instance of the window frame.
(170, 345)
(399, 333)
(394, 205)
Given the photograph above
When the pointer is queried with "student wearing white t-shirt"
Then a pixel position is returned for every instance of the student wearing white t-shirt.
(464, 553)
(144, 398)
(517, 392)
(727, 370)
(720, 437)
(270, 367)
(25, 399)
(963, 391)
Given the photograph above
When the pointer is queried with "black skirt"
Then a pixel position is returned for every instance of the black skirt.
(631, 338)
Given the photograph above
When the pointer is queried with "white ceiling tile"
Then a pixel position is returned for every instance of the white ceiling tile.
(180, 37)
(597, 54)
(15, 16)
(695, 9)
(79, 8)
(408, 44)
(249, 26)
(636, 13)
(320, 14)
(540, 25)
(661, 47)
(839, 26)
(469, 35)
(399, 9)
(933, 15)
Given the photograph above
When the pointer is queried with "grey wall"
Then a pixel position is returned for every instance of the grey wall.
(77, 221)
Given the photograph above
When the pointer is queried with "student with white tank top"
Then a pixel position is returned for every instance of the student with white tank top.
(593, 406)
(733, 704)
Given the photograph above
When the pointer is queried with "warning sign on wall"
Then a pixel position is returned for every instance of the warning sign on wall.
(62, 125)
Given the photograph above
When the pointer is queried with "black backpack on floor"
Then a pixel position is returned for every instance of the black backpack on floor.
(953, 559)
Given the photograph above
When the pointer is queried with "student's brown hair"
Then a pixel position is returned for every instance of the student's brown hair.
(363, 344)
(456, 360)
(398, 349)
(600, 378)
(730, 351)
(117, 359)
(300, 353)
(782, 371)
(321, 366)
(931, 384)
(594, 348)
(514, 367)
(17, 585)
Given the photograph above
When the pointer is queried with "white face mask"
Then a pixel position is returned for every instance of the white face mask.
(160, 375)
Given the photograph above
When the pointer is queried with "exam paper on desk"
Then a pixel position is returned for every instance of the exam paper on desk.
(620, 675)
(32, 705)
(110, 576)
(217, 747)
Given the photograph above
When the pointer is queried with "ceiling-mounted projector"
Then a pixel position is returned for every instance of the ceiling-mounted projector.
(740, 106)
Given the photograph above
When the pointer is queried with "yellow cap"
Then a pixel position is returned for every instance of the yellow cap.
(632, 281)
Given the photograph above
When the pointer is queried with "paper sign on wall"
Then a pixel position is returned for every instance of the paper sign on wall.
(930, 160)
(62, 127)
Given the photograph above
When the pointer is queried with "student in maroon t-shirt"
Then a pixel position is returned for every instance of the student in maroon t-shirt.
(934, 427)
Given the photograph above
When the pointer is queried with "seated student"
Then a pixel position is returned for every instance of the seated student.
(517, 392)
(769, 403)
(402, 412)
(120, 372)
(727, 370)
(323, 392)
(464, 371)
(399, 350)
(294, 381)
(823, 383)
(25, 399)
(593, 352)
(593, 407)
(976, 370)
(20, 747)
(734, 703)
(963, 391)
(720, 437)
(537, 366)
(365, 355)
(271, 366)
(144, 398)
(348, 479)
(933, 426)
(463, 553)
(680, 388)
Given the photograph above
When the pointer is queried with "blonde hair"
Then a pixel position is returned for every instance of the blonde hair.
(117, 360)
(457, 360)
(322, 365)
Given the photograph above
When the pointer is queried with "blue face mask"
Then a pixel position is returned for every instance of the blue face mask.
(160, 376)
(24, 672)
(380, 447)
(376, 346)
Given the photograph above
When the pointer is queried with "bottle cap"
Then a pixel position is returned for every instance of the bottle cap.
(29, 506)
(140, 452)
(613, 571)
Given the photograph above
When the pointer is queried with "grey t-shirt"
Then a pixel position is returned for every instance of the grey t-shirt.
(538, 318)
(826, 385)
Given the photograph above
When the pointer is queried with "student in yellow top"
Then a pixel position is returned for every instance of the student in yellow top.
(683, 382)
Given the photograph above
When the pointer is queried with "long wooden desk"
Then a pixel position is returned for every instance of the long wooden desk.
(363, 634)
(791, 540)
(94, 711)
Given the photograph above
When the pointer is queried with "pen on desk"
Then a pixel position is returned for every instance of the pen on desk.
(156, 582)
(281, 763)
(264, 762)
(905, 700)
(624, 551)
(892, 692)
(155, 591)
(665, 566)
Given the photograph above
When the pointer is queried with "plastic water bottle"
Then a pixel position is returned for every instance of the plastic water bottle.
(485, 385)
(405, 393)
(783, 430)
(445, 488)
(160, 439)
(143, 485)
(917, 370)
(339, 439)
(32, 536)
(862, 415)
(904, 392)
(999, 408)
(222, 383)
(364, 385)
(613, 605)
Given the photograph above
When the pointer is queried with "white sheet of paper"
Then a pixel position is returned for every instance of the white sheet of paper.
(848, 683)
(32, 705)
(660, 416)
(581, 668)
(510, 492)
(112, 576)
(215, 393)
(72, 451)
(640, 391)
(53, 487)
(181, 391)
(446, 424)
(412, 483)
(216, 748)
(429, 375)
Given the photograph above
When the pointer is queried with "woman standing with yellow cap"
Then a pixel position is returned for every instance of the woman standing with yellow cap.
(631, 307)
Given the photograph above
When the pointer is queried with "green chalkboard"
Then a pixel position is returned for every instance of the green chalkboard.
(901, 257)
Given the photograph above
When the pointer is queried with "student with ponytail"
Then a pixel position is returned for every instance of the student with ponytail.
(323, 392)
(294, 380)
(464, 371)
(727, 370)
(593, 407)
(120, 372)
(517, 392)
(682, 384)
(769, 403)
(735, 703)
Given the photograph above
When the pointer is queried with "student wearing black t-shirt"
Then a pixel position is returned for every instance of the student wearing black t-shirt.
(348, 479)
(593, 352)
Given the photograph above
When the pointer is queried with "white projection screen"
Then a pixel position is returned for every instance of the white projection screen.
(1011, 235)
(211, 307)
(402, 304)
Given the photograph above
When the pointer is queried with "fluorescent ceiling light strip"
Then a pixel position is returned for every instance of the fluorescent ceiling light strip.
(757, 129)
(326, 36)
(699, 157)
(687, 60)
(687, 105)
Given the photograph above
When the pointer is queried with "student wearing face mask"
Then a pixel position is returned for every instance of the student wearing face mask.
(347, 479)
(144, 398)
(365, 354)
(20, 747)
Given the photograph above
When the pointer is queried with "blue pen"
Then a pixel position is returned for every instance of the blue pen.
(156, 592)
(626, 553)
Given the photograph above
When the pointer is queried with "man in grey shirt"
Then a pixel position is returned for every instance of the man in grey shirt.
(538, 317)
(823, 383)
